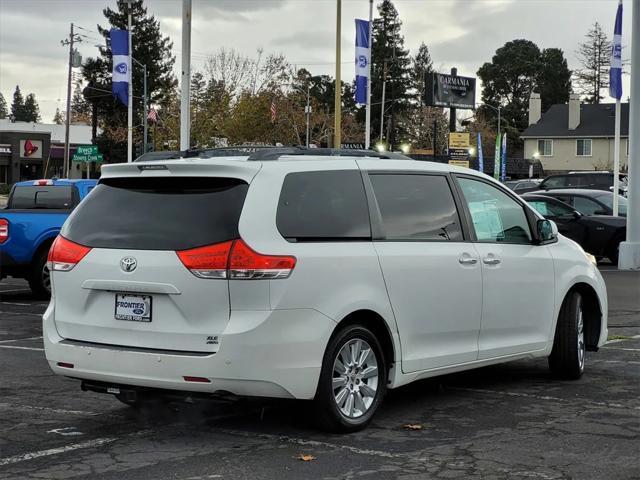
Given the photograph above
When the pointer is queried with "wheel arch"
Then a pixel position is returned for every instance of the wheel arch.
(44, 243)
(592, 313)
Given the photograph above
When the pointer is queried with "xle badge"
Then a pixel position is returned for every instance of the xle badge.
(212, 340)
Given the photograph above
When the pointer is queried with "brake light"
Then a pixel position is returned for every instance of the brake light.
(4, 230)
(41, 183)
(235, 260)
(65, 254)
(207, 262)
(247, 264)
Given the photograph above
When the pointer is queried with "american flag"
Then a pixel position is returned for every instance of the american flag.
(274, 111)
(152, 116)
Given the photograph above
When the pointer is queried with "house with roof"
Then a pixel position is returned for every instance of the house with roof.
(575, 136)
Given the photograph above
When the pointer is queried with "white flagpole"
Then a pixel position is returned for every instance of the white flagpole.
(185, 82)
(130, 99)
(367, 122)
(616, 160)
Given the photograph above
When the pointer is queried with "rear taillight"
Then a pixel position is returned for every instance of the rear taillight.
(4, 230)
(65, 254)
(207, 262)
(235, 260)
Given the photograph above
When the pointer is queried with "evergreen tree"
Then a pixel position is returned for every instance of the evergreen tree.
(4, 113)
(594, 57)
(58, 118)
(554, 78)
(17, 107)
(150, 48)
(80, 106)
(390, 61)
(31, 109)
(422, 66)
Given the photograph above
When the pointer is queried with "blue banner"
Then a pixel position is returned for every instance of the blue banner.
(503, 171)
(480, 156)
(121, 65)
(615, 72)
(363, 57)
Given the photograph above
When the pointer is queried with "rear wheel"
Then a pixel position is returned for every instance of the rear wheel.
(568, 355)
(353, 380)
(40, 278)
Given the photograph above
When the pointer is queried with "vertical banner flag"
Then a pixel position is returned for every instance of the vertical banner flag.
(121, 64)
(496, 158)
(503, 173)
(615, 72)
(480, 156)
(363, 57)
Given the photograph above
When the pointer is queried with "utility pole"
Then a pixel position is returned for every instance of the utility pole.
(337, 138)
(452, 111)
(185, 82)
(307, 111)
(70, 41)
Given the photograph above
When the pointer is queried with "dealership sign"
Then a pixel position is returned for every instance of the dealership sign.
(450, 91)
(459, 149)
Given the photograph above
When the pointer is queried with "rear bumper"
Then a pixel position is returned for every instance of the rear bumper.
(262, 353)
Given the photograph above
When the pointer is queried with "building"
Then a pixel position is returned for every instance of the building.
(36, 150)
(575, 136)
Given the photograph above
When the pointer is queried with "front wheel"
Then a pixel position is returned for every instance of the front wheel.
(568, 354)
(353, 380)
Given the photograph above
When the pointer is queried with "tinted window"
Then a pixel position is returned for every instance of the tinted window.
(549, 208)
(416, 207)
(47, 197)
(601, 180)
(496, 216)
(586, 206)
(323, 206)
(158, 213)
(559, 181)
(607, 199)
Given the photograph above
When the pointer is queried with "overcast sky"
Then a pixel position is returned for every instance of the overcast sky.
(462, 33)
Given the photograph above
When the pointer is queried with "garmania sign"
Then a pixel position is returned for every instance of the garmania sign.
(443, 90)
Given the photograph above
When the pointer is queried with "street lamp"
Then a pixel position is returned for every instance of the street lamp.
(496, 109)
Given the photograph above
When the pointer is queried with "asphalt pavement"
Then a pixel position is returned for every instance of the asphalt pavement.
(512, 421)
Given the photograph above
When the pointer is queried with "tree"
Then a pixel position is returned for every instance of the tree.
(594, 57)
(150, 48)
(517, 69)
(17, 107)
(4, 113)
(80, 106)
(422, 66)
(58, 118)
(390, 61)
(554, 78)
(31, 109)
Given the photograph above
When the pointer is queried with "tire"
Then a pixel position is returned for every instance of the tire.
(568, 355)
(349, 393)
(39, 277)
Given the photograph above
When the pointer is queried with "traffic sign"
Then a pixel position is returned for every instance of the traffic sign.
(87, 153)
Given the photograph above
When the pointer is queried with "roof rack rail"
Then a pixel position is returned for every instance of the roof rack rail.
(277, 152)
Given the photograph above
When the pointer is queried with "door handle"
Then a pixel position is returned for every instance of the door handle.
(467, 259)
(491, 260)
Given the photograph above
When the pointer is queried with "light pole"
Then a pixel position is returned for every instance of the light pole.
(307, 111)
(144, 106)
(496, 109)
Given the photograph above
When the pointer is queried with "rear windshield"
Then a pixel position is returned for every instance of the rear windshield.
(158, 213)
(46, 197)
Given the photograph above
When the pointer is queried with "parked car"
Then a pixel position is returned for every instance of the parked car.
(30, 222)
(586, 180)
(599, 235)
(588, 202)
(519, 186)
(319, 278)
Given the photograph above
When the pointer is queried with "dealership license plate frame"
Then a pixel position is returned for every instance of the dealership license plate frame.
(133, 318)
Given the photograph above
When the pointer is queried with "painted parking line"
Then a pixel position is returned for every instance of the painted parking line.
(56, 451)
(581, 401)
(16, 347)
(20, 339)
(20, 313)
(15, 290)
(34, 408)
(624, 349)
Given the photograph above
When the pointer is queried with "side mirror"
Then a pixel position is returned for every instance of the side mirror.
(576, 214)
(547, 231)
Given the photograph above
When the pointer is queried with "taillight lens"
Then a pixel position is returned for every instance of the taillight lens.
(235, 260)
(4, 230)
(207, 262)
(245, 263)
(65, 254)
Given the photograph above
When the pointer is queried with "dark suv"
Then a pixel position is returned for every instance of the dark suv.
(585, 180)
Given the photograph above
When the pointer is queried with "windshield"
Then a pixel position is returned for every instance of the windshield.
(607, 199)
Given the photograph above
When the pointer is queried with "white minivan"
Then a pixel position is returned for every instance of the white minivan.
(301, 275)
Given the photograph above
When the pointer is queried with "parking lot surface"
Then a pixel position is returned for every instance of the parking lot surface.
(510, 421)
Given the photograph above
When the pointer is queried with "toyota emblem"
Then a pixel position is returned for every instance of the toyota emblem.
(128, 264)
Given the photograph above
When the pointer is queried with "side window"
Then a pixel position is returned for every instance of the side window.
(559, 181)
(549, 208)
(416, 207)
(586, 206)
(323, 205)
(496, 216)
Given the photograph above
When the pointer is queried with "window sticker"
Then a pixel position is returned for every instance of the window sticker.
(486, 220)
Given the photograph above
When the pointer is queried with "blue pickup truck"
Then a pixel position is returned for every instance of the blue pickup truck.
(30, 222)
